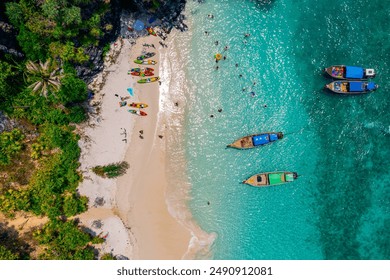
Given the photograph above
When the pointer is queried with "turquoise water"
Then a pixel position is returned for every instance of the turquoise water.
(339, 208)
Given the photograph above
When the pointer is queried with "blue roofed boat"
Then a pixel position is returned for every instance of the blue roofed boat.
(349, 72)
(256, 140)
(351, 87)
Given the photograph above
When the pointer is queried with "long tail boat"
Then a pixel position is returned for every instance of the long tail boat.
(271, 178)
(351, 87)
(349, 72)
(256, 140)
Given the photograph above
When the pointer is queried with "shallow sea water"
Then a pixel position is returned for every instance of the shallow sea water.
(339, 208)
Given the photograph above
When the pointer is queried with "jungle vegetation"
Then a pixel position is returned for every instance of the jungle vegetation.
(41, 91)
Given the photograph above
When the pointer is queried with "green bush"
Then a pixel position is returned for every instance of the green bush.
(74, 204)
(7, 254)
(107, 256)
(111, 170)
(72, 90)
(77, 114)
(64, 241)
(10, 144)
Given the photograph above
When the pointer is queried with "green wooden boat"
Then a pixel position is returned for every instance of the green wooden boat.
(271, 178)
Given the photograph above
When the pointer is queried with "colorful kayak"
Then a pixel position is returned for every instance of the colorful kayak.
(138, 112)
(351, 87)
(349, 72)
(138, 105)
(148, 80)
(151, 31)
(145, 62)
(146, 55)
(142, 74)
(271, 178)
(147, 69)
(256, 140)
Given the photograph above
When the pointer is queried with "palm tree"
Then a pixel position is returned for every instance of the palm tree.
(45, 77)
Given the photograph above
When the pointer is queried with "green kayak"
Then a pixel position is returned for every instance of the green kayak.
(148, 80)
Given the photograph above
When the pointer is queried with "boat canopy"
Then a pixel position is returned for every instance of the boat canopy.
(355, 86)
(371, 86)
(353, 72)
(275, 178)
(273, 137)
(260, 139)
(289, 177)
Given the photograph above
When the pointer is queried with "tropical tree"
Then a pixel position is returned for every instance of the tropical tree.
(44, 77)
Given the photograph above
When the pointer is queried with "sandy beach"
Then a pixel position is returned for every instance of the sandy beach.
(132, 209)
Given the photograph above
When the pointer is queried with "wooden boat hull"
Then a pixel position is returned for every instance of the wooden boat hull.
(138, 105)
(138, 112)
(267, 179)
(343, 72)
(256, 140)
(351, 87)
(148, 80)
(145, 62)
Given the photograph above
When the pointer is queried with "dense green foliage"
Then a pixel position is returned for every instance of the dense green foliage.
(44, 90)
(56, 28)
(10, 144)
(65, 241)
(107, 256)
(6, 254)
(111, 170)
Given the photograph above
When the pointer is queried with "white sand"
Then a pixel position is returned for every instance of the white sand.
(135, 213)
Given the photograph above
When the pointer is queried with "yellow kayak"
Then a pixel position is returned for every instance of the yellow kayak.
(148, 80)
(138, 105)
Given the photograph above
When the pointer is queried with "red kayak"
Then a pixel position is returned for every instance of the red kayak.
(142, 74)
(139, 113)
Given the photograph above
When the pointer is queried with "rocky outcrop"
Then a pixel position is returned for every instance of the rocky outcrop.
(8, 41)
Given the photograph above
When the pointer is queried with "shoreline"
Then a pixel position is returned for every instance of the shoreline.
(135, 211)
